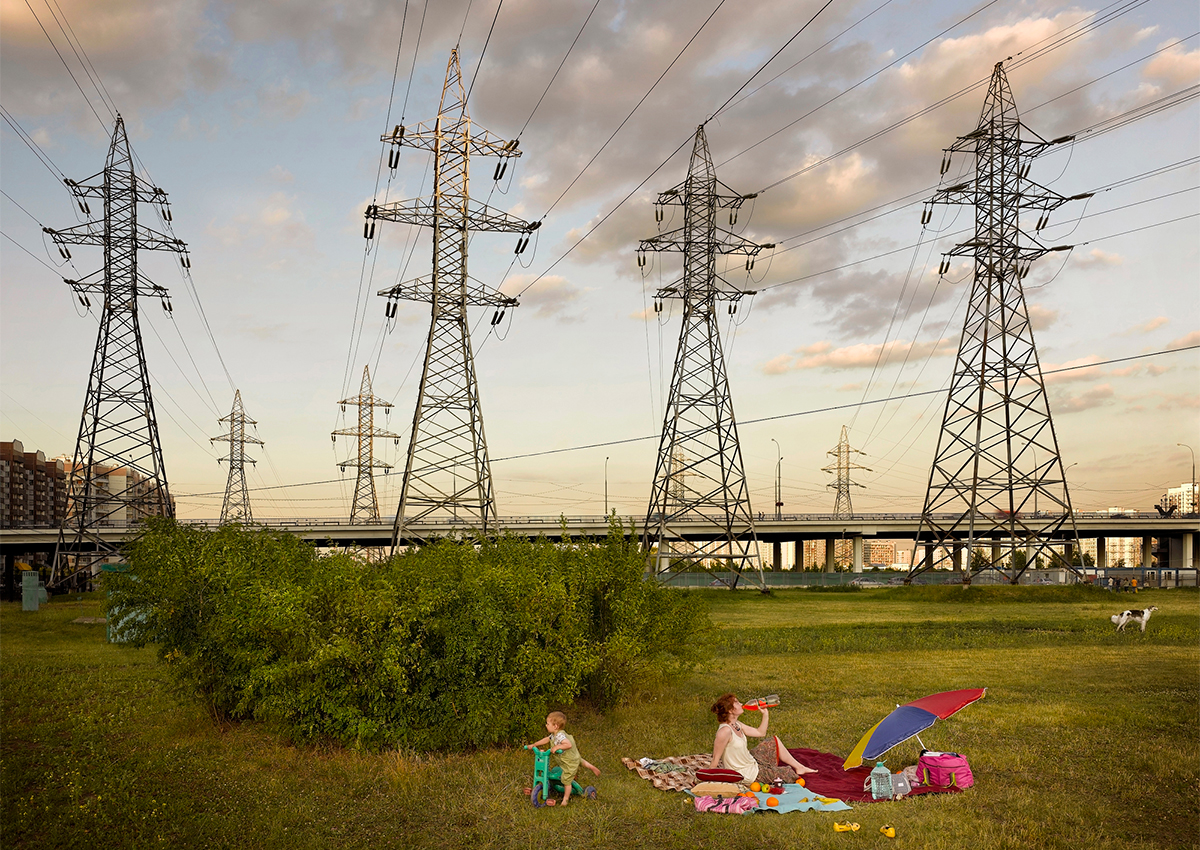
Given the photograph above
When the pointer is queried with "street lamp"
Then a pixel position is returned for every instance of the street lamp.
(1192, 495)
(606, 487)
(778, 481)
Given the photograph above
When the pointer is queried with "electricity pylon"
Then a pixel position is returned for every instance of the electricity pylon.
(236, 506)
(447, 469)
(117, 476)
(699, 513)
(366, 506)
(997, 451)
(843, 508)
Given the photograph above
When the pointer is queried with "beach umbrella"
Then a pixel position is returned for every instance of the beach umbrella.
(908, 720)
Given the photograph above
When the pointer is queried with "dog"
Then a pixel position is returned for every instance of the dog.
(1139, 616)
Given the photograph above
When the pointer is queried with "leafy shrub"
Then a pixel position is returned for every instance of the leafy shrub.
(453, 645)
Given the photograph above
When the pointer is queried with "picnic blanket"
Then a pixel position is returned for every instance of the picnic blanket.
(678, 773)
(675, 773)
(797, 798)
(831, 780)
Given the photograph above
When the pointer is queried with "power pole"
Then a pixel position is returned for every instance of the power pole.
(118, 431)
(997, 450)
(366, 506)
(843, 508)
(236, 507)
(700, 506)
(447, 470)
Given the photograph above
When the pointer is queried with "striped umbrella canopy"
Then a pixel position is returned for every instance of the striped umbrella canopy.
(908, 720)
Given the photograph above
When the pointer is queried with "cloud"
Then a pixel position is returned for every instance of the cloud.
(1076, 374)
(1174, 66)
(550, 297)
(1185, 341)
(1041, 317)
(822, 355)
(1179, 401)
(1098, 259)
(1146, 326)
(280, 102)
(149, 53)
(276, 229)
(1094, 397)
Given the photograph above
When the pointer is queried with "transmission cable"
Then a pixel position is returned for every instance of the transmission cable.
(554, 76)
(635, 109)
(486, 42)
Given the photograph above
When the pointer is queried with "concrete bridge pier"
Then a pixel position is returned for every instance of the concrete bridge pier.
(1102, 553)
(857, 543)
(830, 566)
(777, 555)
(1147, 552)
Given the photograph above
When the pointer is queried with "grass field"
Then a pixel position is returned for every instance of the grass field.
(1087, 738)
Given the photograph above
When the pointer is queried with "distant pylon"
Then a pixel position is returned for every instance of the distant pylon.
(118, 430)
(997, 451)
(447, 470)
(699, 513)
(236, 507)
(366, 506)
(843, 508)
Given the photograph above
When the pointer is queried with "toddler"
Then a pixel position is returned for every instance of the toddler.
(563, 745)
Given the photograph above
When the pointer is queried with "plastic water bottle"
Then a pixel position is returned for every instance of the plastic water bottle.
(881, 782)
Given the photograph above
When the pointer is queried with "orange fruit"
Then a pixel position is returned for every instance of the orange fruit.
(754, 786)
(772, 801)
(800, 781)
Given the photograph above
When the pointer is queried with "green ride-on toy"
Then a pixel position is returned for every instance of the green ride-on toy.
(547, 782)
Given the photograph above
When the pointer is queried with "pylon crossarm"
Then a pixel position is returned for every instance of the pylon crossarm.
(426, 134)
(679, 240)
(478, 294)
(425, 212)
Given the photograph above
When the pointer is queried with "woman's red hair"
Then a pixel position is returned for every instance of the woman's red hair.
(723, 706)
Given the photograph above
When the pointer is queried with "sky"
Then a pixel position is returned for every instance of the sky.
(262, 121)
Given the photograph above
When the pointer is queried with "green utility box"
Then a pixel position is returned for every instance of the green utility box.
(32, 592)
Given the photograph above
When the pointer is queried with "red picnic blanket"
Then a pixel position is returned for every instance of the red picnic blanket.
(831, 780)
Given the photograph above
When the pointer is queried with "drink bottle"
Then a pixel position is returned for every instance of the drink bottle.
(761, 702)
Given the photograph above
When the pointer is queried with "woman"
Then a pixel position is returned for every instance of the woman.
(770, 761)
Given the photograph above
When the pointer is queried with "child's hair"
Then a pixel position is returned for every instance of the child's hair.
(723, 706)
(557, 718)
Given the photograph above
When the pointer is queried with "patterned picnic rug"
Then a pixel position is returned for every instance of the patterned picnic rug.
(678, 773)
(675, 773)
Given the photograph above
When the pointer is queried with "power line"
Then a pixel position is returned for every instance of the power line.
(764, 65)
(809, 412)
(635, 109)
(486, 42)
(68, 67)
(554, 76)
(937, 104)
(860, 82)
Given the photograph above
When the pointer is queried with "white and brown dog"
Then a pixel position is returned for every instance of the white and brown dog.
(1139, 616)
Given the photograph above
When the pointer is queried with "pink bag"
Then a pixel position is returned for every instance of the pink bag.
(726, 805)
(949, 770)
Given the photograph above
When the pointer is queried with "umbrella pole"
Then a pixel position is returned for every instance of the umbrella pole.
(922, 743)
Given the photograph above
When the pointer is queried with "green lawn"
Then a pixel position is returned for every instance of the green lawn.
(1087, 738)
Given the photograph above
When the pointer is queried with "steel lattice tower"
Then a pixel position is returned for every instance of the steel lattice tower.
(997, 451)
(447, 469)
(118, 430)
(236, 506)
(366, 506)
(843, 508)
(700, 505)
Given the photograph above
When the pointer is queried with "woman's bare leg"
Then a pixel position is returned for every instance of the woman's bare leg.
(787, 758)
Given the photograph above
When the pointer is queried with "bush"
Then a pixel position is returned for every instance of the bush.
(450, 646)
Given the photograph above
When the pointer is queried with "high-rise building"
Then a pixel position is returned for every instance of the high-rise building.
(1183, 498)
(33, 494)
(33, 490)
